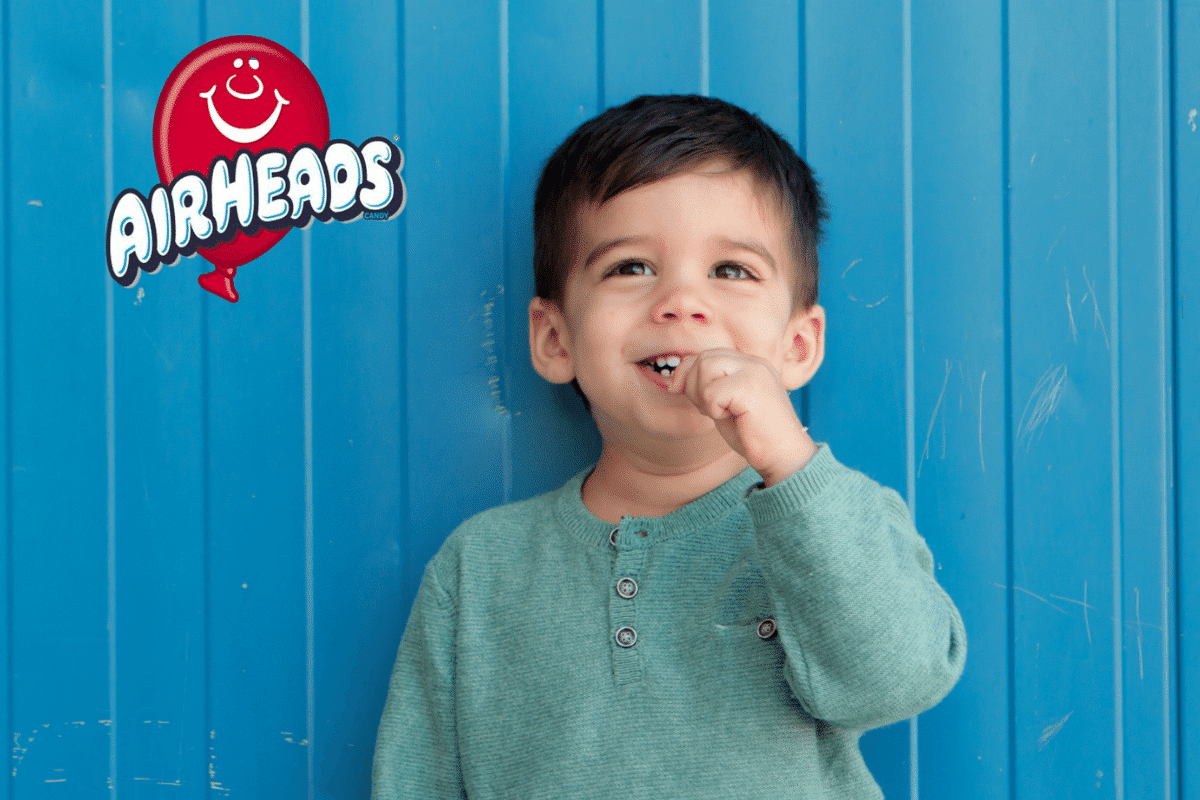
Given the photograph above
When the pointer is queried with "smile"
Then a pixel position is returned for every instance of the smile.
(243, 135)
(663, 365)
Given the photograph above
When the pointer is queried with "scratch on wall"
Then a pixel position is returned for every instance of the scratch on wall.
(1031, 594)
(1054, 244)
(937, 407)
(1051, 730)
(1137, 610)
(1191, 121)
(1042, 404)
(982, 466)
(1071, 314)
(1099, 321)
(1086, 625)
(851, 297)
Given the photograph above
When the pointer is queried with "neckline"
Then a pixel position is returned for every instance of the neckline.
(698, 515)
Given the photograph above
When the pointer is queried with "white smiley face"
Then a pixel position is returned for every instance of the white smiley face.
(232, 132)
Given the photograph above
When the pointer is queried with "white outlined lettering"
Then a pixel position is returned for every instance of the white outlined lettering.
(271, 189)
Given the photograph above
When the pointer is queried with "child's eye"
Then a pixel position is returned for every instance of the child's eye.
(631, 268)
(732, 272)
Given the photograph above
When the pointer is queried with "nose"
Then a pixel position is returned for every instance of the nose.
(681, 301)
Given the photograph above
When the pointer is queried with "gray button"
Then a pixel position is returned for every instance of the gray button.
(626, 637)
(627, 587)
(612, 537)
(766, 628)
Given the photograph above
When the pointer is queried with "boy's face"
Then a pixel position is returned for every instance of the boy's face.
(696, 261)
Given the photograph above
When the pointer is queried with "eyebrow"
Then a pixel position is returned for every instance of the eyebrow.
(751, 246)
(602, 248)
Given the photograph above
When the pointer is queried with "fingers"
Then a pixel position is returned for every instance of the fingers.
(722, 382)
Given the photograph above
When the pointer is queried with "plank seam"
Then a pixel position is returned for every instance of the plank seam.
(1009, 500)
(1169, 479)
(110, 434)
(506, 460)
(6, 156)
(910, 403)
(310, 711)
(1115, 407)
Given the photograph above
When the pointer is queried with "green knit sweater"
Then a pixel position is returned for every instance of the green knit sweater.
(548, 657)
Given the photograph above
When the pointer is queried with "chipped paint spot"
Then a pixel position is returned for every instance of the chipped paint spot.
(38, 203)
(1191, 121)
(489, 346)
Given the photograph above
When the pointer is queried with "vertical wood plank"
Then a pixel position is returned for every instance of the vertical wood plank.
(456, 295)
(61, 714)
(958, 252)
(1067, 705)
(6, 225)
(553, 87)
(162, 735)
(651, 47)
(1147, 541)
(256, 498)
(1185, 149)
(857, 400)
(357, 354)
(754, 61)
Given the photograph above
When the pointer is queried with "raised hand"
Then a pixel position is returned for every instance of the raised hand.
(743, 394)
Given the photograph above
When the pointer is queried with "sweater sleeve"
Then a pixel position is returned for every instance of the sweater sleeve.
(416, 749)
(869, 635)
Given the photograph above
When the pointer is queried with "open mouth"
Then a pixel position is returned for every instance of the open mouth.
(663, 365)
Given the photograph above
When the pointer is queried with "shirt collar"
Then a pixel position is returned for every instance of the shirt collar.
(632, 532)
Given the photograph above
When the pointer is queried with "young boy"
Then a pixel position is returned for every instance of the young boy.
(718, 608)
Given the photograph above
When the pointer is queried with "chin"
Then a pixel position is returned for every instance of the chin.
(685, 424)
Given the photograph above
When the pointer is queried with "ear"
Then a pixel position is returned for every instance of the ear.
(806, 351)
(549, 342)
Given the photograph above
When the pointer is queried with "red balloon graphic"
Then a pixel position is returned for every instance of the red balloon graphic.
(231, 94)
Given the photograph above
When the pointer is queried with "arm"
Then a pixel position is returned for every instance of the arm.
(416, 751)
(869, 635)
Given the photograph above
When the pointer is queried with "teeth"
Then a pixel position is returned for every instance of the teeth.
(660, 362)
(666, 373)
(672, 361)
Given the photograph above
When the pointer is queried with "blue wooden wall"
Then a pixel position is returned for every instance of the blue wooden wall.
(216, 516)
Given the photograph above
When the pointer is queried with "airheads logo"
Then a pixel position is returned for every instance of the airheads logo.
(241, 139)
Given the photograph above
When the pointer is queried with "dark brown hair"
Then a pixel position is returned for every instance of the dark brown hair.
(653, 137)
